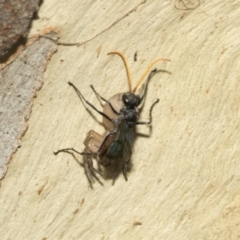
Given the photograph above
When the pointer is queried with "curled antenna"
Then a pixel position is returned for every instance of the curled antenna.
(133, 90)
(127, 68)
(147, 71)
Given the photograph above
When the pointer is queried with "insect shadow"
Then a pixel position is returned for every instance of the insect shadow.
(113, 149)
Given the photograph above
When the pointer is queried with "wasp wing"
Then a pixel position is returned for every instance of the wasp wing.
(117, 145)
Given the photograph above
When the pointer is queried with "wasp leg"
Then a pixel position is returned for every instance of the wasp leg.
(124, 170)
(87, 162)
(89, 168)
(92, 143)
(115, 173)
(67, 151)
(150, 114)
(87, 102)
(153, 72)
(105, 100)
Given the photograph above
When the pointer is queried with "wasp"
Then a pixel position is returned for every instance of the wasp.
(120, 116)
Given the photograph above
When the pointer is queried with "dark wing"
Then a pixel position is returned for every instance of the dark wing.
(116, 146)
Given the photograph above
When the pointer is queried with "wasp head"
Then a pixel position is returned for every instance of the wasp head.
(131, 100)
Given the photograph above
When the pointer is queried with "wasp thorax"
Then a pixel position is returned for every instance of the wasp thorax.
(131, 115)
(131, 100)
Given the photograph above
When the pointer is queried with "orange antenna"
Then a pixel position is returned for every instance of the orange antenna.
(127, 68)
(147, 70)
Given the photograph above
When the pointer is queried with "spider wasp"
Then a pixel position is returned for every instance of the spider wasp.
(120, 116)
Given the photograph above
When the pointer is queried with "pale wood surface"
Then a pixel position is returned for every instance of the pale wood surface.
(184, 183)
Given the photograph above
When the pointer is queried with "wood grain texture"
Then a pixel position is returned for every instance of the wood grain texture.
(184, 183)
